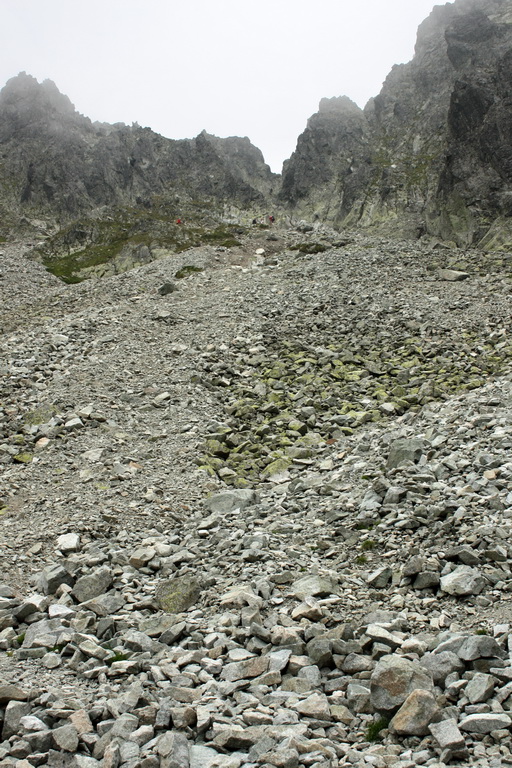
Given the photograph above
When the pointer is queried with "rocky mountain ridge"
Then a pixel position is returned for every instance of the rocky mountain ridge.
(58, 164)
(429, 155)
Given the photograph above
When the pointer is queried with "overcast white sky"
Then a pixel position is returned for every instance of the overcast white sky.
(232, 67)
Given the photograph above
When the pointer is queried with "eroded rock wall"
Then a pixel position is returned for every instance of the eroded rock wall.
(57, 162)
(432, 152)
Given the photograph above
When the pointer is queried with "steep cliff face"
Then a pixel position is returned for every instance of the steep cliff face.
(54, 161)
(327, 153)
(477, 175)
(433, 151)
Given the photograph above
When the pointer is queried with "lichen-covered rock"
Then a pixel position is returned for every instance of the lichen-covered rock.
(177, 595)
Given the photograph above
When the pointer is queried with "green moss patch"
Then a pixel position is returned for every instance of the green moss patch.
(295, 396)
(40, 415)
(309, 248)
(76, 250)
(186, 271)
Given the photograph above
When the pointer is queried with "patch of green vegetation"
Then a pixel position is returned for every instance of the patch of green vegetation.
(57, 648)
(91, 243)
(117, 656)
(482, 631)
(361, 559)
(309, 248)
(68, 268)
(220, 236)
(40, 415)
(368, 544)
(187, 270)
(364, 525)
(373, 732)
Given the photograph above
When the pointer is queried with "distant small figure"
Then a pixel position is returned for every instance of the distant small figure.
(271, 219)
(178, 221)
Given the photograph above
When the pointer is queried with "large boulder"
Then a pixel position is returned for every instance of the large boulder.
(415, 714)
(393, 680)
(463, 581)
(228, 501)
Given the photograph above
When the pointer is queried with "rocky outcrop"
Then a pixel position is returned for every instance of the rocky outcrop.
(56, 162)
(433, 151)
(315, 179)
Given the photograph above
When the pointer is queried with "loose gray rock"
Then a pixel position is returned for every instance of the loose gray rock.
(440, 665)
(485, 722)
(173, 749)
(52, 577)
(405, 450)
(480, 688)
(393, 679)
(314, 586)
(229, 501)
(68, 542)
(380, 578)
(462, 581)
(93, 584)
(415, 714)
(480, 647)
(449, 737)
(9, 692)
(65, 738)
(453, 275)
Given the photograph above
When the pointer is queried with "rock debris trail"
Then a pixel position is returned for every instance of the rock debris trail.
(260, 515)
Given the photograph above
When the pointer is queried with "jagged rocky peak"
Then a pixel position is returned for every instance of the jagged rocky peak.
(432, 29)
(28, 107)
(326, 152)
(59, 164)
(249, 158)
(340, 105)
(432, 153)
(25, 90)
